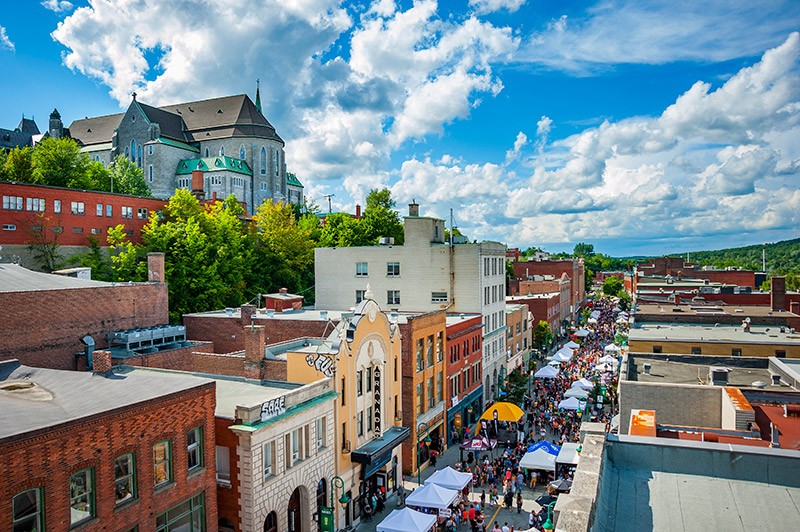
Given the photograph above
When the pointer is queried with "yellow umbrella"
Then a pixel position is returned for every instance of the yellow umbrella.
(505, 412)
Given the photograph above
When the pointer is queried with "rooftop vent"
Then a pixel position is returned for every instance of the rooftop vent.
(646, 369)
(776, 380)
(323, 315)
(718, 376)
(229, 311)
(759, 384)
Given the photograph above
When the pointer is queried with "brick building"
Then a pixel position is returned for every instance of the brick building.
(573, 268)
(101, 451)
(52, 313)
(464, 373)
(518, 336)
(543, 307)
(677, 267)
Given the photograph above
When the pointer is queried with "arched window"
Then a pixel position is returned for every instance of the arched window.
(263, 160)
(222, 151)
(277, 162)
(133, 150)
(206, 151)
(241, 152)
(271, 523)
(139, 157)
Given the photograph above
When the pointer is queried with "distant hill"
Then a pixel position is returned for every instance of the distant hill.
(782, 257)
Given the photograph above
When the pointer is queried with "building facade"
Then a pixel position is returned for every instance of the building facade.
(464, 373)
(422, 275)
(518, 337)
(573, 268)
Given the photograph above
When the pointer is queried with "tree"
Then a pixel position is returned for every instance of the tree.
(19, 165)
(95, 259)
(127, 178)
(612, 286)
(59, 162)
(517, 386)
(541, 335)
(380, 220)
(3, 159)
(583, 250)
(43, 241)
(276, 227)
(342, 230)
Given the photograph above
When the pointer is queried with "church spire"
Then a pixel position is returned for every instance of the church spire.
(258, 95)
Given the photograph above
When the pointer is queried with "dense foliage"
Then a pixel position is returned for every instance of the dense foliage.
(782, 257)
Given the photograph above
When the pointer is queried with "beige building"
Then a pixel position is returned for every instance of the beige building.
(518, 337)
(424, 274)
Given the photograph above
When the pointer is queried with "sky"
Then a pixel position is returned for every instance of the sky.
(641, 126)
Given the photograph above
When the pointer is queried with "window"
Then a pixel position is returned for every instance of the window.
(429, 350)
(362, 269)
(392, 269)
(736, 352)
(263, 162)
(321, 433)
(277, 162)
(262, 187)
(269, 459)
(369, 419)
(222, 151)
(194, 448)
(133, 150)
(223, 465)
(431, 397)
(438, 297)
(369, 379)
(81, 496)
(393, 297)
(419, 399)
(206, 152)
(241, 152)
(439, 346)
(188, 516)
(139, 157)
(360, 383)
(77, 208)
(657, 349)
(359, 296)
(9, 227)
(150, 150)
(162, 463)
(696, 351)
(420, 361)
(127, 212)
(780, 353)
(343, 389)
(34, 204)
(77, 229)
(27, 511)
(12, 203)
(57, 206)
(296, 445)
(141, 213)
(439, 386)
(99, 209)
(125, 478)
(109, 211)
(150, 171)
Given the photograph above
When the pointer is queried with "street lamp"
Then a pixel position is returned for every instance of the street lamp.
(548, 525)
(344, 500)
(427, 441)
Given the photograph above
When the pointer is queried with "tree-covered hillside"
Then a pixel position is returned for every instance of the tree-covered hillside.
(782, 257)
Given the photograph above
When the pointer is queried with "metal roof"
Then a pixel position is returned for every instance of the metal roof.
(213, 164)
(15, 278)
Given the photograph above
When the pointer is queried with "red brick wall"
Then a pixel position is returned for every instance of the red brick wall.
(46, 326)
(89, 220)
(228, 497)
(459, 333)
(228, 364)
(181, 359)
(573, 268)
(49, 458)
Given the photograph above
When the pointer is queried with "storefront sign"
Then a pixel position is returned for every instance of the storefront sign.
(445, 512)
(273, 407)
(377, 426)
(321, 363)
(326, 519)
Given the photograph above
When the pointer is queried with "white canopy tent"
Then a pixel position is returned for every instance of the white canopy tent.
(571, 403)
(547, 372)
(561, 357)
(572, 345)
(611, 348)
(584, 383)
(594, 314)
(432, 496)
(568, 454)
(538, 459)
(450, 478)
(578, 392)
(582, 333)
(608, 359)
(407, 520)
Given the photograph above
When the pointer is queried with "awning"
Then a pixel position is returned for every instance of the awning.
(407, 520)
(450, 478)
(569, 454)
(538, 459)
(432, 496)
(370, 452)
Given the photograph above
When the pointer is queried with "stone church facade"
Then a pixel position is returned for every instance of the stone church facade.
(227, 138)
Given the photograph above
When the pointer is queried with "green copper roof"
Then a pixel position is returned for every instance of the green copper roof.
(213, 164)
(291, 179)
(177, 144)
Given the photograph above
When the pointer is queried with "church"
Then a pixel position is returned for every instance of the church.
(228, 139)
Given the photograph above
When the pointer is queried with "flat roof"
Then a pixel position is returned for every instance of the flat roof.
(231, 391)
(306, 314)
(740, 311)
(15, 278)
(661, 281)
(690, 369)
(39, 398)
(677, 332)
(542, 295)
(453, 319)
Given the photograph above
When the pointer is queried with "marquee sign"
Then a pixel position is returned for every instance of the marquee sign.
(378, 427)
(273, 408)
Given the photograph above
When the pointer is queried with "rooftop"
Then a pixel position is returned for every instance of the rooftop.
(306, 314)
(545, 295)
(453, 319)
(38, 398)
(740, 311)
(231, 391)
(693, 369)
(675, 332)
(15, 278)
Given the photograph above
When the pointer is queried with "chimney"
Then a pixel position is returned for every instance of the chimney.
(777, 293)
(775, 434)
(413, 208)
(155, 267)
(101, 361)
(248, 311)
(198, 185)
(358, 212)
(677, 299)
(254, 339)
(794, 306)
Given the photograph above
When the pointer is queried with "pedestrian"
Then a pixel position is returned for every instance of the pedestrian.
(433, 459)
(483, 498)
(531, 519)
(401, 492)
(519, 502)
(505, 527)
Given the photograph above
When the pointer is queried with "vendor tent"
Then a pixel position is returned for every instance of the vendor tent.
(478, 444)
(450, 478)
(592, 321)
(569, 454)
(584, 383)
(561, 357)
(505, 412)
(572, 345)
(571, 403)
(433, 496)
(582, 333)
(611, 348)
(538, 459)
(608, 359)
(407, 520)
(547, 372)
(580, 393)
(594, 314)
(546, 445)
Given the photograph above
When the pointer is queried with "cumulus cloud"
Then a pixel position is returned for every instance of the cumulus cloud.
(5, 42)
(58, 6)
(490, 6)
(520, 142)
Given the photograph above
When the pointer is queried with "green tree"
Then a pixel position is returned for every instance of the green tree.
(342, 230)
(624, 300)
(541, 335)
(127, 178)
(126, 258)
(612, 286)
(583, 250)
(278, 230)
(517, 386)
(59, 162)
(3, 159)
(96, 259)
(380, 219)
(43, 241)
(19, 165)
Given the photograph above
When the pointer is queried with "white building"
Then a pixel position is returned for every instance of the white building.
(424, 274)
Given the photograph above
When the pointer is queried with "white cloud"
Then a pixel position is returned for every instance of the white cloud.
(5, 42)
(520, 142)
(615, 32)
(57, 6)
(483, 7)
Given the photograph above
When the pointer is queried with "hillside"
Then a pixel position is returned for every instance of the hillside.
(782, 257)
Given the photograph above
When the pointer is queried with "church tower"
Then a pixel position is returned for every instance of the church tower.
(56, 128)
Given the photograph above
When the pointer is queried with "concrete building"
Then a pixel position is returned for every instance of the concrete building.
(518, 337)
(422, 275)
(464, 373)
(53, 314)
(274, 450)
(103, 451)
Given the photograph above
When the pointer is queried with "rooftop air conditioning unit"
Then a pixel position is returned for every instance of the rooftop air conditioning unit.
(776, 380)
(718, 376)
(229, 311)
(646, 369)
(386, 241)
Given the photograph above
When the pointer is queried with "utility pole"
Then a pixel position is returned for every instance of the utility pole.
(329, 196)
(764, 259)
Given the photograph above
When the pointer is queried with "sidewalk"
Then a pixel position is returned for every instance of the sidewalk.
(449, 458)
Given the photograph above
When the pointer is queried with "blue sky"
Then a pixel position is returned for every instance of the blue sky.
(643, 126)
